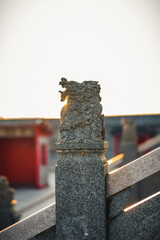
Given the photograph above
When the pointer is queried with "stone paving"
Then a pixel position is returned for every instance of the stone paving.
(30, 200)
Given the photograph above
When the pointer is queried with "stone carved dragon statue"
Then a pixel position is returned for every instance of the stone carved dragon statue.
(81, 119)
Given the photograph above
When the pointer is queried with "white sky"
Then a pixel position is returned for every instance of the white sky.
(115, 42)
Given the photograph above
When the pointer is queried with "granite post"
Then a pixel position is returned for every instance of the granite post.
(128, 144)
(81, 168)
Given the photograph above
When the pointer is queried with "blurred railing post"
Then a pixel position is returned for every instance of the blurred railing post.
(80, 170)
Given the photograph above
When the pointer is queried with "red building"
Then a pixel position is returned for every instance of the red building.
(24, 151)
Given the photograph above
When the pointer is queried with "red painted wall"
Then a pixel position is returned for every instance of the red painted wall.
(17, 160)
(116, 140)
(21, 157)
(39, 132)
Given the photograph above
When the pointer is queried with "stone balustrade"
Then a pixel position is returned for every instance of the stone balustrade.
(133, 172)
(31, 226)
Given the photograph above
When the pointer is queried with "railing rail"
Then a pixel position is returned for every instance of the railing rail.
(149, 144)
(31, 226)
(133, 172)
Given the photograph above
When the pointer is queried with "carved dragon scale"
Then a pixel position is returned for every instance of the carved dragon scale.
(81, 118)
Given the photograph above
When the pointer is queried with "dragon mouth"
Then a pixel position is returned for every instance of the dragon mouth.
(63, 82)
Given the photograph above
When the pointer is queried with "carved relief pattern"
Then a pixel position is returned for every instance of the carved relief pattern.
(81, 119)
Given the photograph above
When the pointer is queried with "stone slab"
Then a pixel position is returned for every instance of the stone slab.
(31, 226)
(49, 234)
(90, 145)
(140, 223)
(117, 202)
(133, 172)
(80, 196)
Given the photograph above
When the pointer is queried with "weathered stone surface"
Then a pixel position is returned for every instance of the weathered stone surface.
(92, 145)
(117, 202)
(31, 226)
(81, 119)
(140, 223)
(133, 172)
(49, 234)
(80, 171)
(80, 195)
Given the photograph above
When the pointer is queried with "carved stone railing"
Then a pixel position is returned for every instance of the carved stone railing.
(140, 223)
(80, 172)
(140, 220)
(118, 181)
(32, 225)
(133, 172)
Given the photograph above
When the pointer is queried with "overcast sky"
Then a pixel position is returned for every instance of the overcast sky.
(115, 42)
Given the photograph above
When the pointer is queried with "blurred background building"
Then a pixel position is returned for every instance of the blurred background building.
(24, 151)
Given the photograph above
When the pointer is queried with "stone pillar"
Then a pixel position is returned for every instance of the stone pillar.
(128, 144)
(80, 170)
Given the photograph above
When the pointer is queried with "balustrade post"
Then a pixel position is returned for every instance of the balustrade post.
(81, 168)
